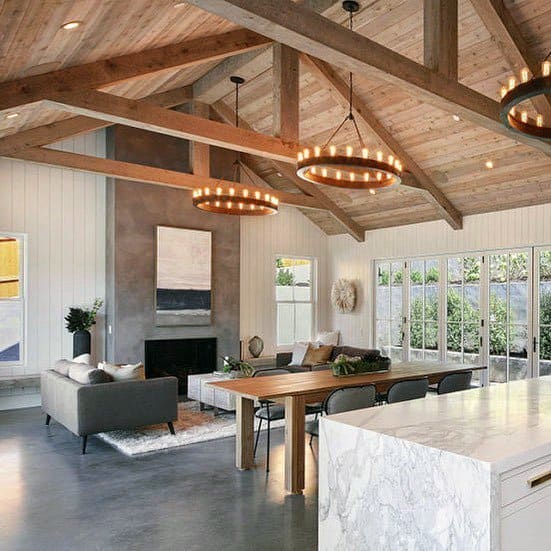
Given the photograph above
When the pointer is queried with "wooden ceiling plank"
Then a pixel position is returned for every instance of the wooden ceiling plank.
(315, 35)
(119, 110)
(216, 84)
(346, 221)
(440, 37)
(146, 174)
(506, 33)
(443, 205)
(118, 69)
(61, 130)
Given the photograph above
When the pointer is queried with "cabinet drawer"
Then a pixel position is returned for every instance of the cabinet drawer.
(526, 481)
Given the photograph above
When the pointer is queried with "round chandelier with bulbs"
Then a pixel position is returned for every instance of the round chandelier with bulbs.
(348, 168)
(236, 199)
(512, 96)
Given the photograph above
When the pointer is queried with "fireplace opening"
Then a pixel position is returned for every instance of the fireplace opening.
(179, 358)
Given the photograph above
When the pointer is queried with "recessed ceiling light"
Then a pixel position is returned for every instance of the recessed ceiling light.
(178, 4)
(279, 174)
(489, 164)
(70, 25)
(12, 115)
(456, 118)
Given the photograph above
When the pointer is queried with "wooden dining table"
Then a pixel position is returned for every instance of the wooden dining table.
(295, 390)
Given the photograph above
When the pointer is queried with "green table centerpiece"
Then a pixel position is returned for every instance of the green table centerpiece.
(346, 366)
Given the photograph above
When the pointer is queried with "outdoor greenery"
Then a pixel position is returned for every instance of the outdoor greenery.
(545, 322)
(285, 277)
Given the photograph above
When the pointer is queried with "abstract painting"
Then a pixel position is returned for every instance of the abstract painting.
(184, 265)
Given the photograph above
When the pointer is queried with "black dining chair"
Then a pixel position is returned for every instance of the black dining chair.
(344, 399)
(268, 411)
(455, 382)
(407, 390)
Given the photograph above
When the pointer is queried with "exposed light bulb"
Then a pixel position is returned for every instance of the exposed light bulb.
(512, 82)
(218, 191)
(365, 153)
(539, 120)
(503, 91)
(546, 68)
(524, 74)
(324, 172)
(300, 156)
(349, 151)
(372, 191)
(524, 116)
(338, 175)
(317, 151)
(379, 156)
(332, 150)
(306, 153)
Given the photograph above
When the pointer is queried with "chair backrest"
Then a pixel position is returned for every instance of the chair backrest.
(347, 399)
(271, 371)
(408, 390)
(454, 382)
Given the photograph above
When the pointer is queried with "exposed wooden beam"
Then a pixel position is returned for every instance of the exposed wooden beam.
(200, 152)
(344, 219)
(285, 93)
(315, 35)
(150, 175)
(61, 130)
(110, 71)
(118, 110)
(440, 40)
(216, 84)
(506, 33)
(325, 74)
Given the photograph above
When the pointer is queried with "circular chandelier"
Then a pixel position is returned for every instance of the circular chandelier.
(514, 94)
(235, 199)
(348, 168)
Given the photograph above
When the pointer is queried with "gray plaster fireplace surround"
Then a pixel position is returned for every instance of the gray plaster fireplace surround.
(134, 210)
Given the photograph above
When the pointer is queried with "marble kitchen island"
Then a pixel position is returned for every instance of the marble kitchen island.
(465, 471)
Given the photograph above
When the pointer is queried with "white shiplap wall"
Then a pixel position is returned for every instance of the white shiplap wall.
(530, 226)
(62, 213)
(262, 239)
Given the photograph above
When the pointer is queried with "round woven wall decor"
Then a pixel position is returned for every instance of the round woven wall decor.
(343, 296)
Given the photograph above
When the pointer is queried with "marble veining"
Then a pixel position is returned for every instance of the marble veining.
(378, 493)
(504, 425)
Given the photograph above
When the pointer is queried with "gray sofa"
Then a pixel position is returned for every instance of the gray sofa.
(93, 408)
(284, 358)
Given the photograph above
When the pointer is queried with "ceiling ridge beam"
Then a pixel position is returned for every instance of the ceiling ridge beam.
(119, 110)
(325, 73)
(67, 128)
(106, 72)
(146, 174)
(505, 32)
(315, 35)
(346, 221)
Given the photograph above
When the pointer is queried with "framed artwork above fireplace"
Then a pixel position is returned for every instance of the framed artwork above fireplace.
(184, 276)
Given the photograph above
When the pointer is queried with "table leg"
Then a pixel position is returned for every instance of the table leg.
(244, 441)
(294, 444)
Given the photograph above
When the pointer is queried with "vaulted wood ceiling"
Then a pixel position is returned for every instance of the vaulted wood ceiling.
(452, 154)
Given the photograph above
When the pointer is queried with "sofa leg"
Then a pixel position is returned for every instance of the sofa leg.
(48, 419)
(171, 428)
(84, 441)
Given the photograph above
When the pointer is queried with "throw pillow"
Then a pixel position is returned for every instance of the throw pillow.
(299, 352)
(317, 356)
(62, 367)
(88, 375)
(328, 338)
(83, 359)
(127, 372)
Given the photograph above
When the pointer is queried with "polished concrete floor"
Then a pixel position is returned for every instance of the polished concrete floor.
(52, 498)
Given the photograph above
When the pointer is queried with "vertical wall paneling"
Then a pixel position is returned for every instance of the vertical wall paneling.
(62, 212)
(262, 239)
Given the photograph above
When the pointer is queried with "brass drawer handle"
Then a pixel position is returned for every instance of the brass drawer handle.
(536, 481)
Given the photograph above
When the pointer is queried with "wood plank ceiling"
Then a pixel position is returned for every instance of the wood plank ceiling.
(452, 153)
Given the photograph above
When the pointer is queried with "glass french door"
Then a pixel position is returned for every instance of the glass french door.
(424, 281)
(508, 320)
(389, 309)
(464, 311)
(541, 344)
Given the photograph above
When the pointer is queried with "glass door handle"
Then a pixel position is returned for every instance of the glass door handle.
(535, 345)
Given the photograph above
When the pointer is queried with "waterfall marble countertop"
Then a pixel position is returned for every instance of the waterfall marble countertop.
(440, 473)
(505, 425)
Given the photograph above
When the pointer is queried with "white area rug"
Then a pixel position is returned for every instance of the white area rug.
(192, 426)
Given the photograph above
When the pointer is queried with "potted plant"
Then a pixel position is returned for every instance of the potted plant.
(237, 368)
(79, 322)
